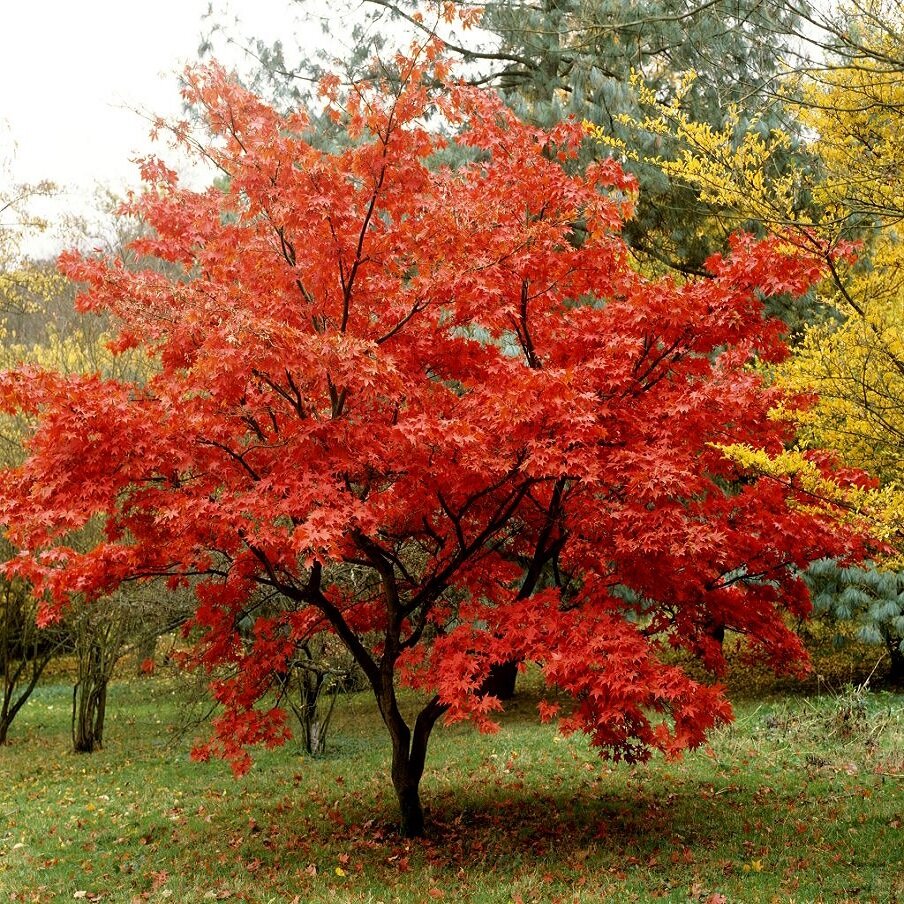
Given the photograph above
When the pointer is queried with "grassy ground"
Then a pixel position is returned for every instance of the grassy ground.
(801, 800)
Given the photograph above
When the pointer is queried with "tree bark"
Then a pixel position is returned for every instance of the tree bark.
(10, 708)
(717, 633)
(407, 788)
(501, 680)
(407, 769)
(89, 705)
(409, 754)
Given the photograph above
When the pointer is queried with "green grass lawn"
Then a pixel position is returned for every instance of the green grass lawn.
(801, 800)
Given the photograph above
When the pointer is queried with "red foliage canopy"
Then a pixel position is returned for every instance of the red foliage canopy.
(436, 412)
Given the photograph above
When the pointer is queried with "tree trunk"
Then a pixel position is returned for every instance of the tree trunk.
(100, 714)
(310, 687)
(409, 754)
(11, 704)
(7, 714)
(717, 633)
(501, 680)
(407, 790)
(89, 706)
(407, 769)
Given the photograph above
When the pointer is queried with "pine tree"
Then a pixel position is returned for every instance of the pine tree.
(599, 60)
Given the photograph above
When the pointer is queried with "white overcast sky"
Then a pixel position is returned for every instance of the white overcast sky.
(73, 73)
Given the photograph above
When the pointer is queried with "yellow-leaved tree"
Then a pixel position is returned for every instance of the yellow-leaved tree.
(855, 364)
(844, 199)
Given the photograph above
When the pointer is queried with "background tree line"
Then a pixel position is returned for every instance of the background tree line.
(767, 115)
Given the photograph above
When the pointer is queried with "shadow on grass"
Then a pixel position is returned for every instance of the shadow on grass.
(473, 826)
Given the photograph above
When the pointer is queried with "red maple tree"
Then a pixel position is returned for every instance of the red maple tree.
(436, 411)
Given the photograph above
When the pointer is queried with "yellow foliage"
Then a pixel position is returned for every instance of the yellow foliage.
(855, 112)
(26, 288)
(850, 115)
(78, 349)
(38, 326)
(732, 167)
(855, 368)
